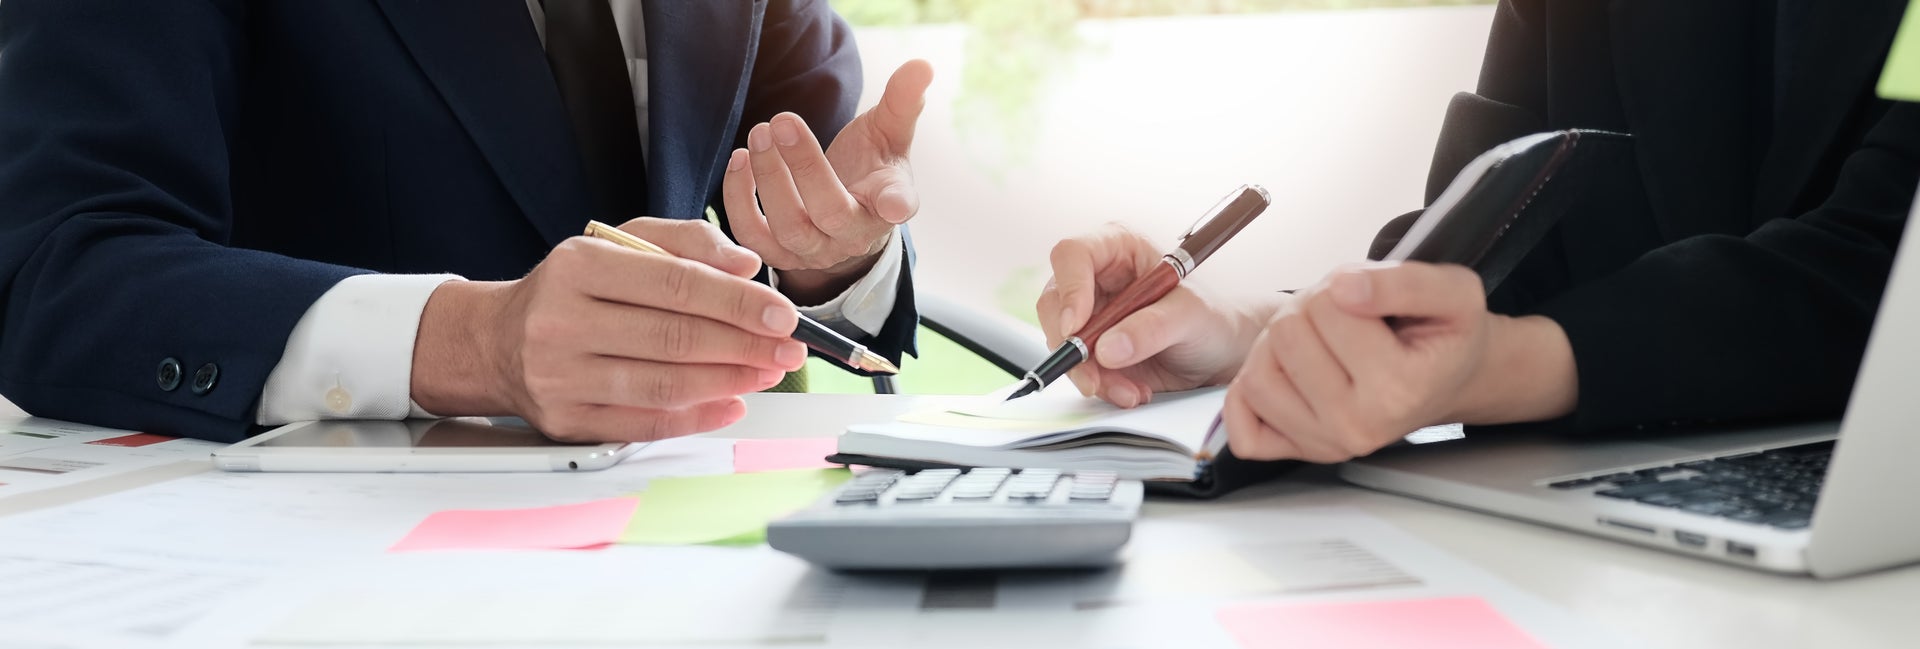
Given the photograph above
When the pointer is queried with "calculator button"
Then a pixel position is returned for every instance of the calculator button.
(991, 471)
(914, 496)
(929, 485)
(949, 473)
(873, 483)
(859, 496)
(1040, 473)
(1097, 475)
(1090, 493)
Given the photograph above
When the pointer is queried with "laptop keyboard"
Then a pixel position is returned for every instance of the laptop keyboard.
(1776, 487)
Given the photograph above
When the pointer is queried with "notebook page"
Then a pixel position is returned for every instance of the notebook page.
(1181, 418)
(1054, 409)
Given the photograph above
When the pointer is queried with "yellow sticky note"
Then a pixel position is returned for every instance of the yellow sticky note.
(1900, 81)
(724, 509)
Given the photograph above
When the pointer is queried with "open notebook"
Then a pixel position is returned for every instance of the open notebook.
(1056, 428)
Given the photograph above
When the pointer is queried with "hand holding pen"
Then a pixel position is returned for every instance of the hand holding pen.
(1145, 333)
(814, 335)
(602, 343)
(1116, 298)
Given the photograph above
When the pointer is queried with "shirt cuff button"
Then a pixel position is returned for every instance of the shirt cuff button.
(339, 401)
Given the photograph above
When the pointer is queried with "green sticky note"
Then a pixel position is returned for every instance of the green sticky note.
(724, 509)
(1900, 81)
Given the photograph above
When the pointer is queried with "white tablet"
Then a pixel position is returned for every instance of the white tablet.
(424, 445)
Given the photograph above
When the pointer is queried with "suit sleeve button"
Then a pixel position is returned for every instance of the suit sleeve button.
(205, 377)
(169, 374)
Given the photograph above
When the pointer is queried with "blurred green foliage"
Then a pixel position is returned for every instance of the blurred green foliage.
(1015, 49)
(943, 367)
(909, 12)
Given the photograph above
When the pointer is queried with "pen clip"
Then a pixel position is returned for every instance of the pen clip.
(1213, 212)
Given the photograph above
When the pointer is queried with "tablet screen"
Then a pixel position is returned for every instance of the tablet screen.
(464, 432)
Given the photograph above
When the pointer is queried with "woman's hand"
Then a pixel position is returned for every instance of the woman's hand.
(1378, 351)
(1184, 341)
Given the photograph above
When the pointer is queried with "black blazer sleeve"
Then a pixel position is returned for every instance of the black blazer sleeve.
(1703, 328)
(114, 213)
(807, 63)
(1771, 324)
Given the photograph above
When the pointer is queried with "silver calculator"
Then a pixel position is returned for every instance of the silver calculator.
(954, 519)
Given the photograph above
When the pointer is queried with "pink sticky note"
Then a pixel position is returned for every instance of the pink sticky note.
(565, 527)
(756, 455)
(1445, 623)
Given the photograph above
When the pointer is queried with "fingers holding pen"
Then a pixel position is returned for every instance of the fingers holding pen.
(672, 284)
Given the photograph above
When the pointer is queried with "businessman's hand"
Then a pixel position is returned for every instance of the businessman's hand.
(827, 214)
(1331, 378)
(1185, 340)
(603, 343)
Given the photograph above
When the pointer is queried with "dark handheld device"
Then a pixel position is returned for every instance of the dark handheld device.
(1505, 202)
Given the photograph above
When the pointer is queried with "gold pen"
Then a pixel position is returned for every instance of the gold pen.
(814, 335)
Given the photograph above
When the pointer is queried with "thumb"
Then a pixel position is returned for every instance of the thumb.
(1408, 289)
(888, 193)
(1148, 332)
(900, 105)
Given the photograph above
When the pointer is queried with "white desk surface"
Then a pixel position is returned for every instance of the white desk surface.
(1662, 599)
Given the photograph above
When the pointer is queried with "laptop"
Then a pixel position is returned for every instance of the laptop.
(1830, 499)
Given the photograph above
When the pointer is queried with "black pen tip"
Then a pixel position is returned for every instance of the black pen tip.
(1027, 386)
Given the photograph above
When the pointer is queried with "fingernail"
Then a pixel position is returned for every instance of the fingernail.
(1352, 289)
(775, 318)
(771, 377)
(1067, 321)
(738, 161)
(1114, 350)
(786, 132)
(790, 355)
(758, 140)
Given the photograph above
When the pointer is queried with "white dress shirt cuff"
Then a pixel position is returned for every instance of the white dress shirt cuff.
(351, 354)
(862, 309)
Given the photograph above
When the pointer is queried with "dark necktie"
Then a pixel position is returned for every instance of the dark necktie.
(583, 48)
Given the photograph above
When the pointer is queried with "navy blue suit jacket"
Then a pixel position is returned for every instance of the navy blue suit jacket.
(181, 179)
